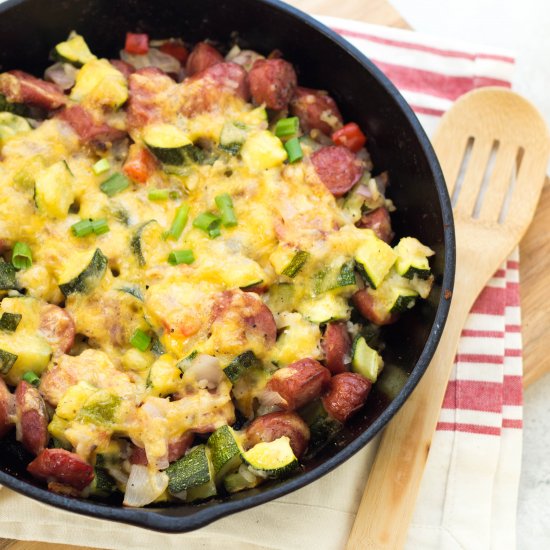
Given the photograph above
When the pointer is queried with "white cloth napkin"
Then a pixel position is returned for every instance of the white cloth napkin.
(469, 491)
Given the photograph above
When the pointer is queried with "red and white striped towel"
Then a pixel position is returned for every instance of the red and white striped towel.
(469, 492)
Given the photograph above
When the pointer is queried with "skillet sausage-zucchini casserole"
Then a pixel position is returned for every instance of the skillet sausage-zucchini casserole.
(195, 262)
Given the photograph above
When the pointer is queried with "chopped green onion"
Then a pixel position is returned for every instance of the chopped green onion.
(10, 321)
(101, 166)
(31, 378)
(225, 206)
(208, 222)
(115, 184)
(179, 223)
(215, 230)
(140, 340)
(294, 150)
(159, 194)
(287, 126)
(21, 257)
(181, 257)
(82, 228)
(100, 226)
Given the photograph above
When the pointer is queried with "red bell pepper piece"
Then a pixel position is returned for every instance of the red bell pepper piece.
(350, 136)
(137, 43)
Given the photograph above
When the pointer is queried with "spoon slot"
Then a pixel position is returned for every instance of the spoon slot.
(456, 168)
(488, 176)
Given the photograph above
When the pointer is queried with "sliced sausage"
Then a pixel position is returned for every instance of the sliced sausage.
(273, 82)
(379, 221)
(300, 382)
(247, 314)
(316, 110)
(57, 326)
(32, 418)
(123, 66)
(145, 89)
(203, 56)
(337, 347)
(7, 405)
(176, 449)
(338, 168)
(274, 425)
(176, 49)
(227, 76)
(61, 466)
(21, 87)
(364, 303)
(347, 393)
(87, 128)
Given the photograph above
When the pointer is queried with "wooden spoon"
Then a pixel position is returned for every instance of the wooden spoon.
(492, 210)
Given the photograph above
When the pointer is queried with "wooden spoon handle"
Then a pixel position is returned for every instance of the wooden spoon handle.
(390, 496)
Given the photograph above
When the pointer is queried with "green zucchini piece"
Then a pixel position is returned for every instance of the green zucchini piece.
(192, 473)
(11, 125)
(10, 321)
(232, 137)
(137, 241)
(365, 360)
(334, 277)
(7, 360)
(84, 281)
(134, 291)
(391, 381)
(296, 264)
(323, 428)
(8, 280)
(74, 51)
(273, 459)
(402, 299)
(53, 190)
(103, 485)
(186, 362)
(240, 364)
(167, 142)
(325, 308)
(226, 452)
(281, 297)
(19, 109)
(412, 258)
(241, 480)
(21, 352)
(100, 408)
(374, 259)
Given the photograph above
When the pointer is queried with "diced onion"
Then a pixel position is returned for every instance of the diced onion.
(245, 58)
(270, 401)
(154, 58)
(206, 370)
(62, 74)
(144, 486)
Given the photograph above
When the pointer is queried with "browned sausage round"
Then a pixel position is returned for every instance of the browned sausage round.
(227, 76)
(316, 110)
(300, 382)
(379, 221)
(272, 81)
(63, 467)
(278, 424)
(32, 418)
(87, 128)
(347, 393)
(203, 56)
(247, 310)
(364, 303)
(338, 168)
(176, 449)
(7, 405)
(21, 87)
(337, 346)
(57, 326)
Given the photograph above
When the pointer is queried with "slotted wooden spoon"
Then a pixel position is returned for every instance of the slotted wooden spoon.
(490, 219)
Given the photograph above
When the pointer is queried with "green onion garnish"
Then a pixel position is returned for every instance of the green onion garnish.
(82, 228)
(31, 378)
(287, 126)
(158, 194)
(179, 223)
(140, 340)
(100, 226)
(115, 184)
(208, 222)
(21, 256)
(101, 166)
(225, 206)
(181, 257)
(294, 150)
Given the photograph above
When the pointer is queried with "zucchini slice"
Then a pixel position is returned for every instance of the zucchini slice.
(394, 298)
(22, 352)
(241, 364)
(281, 297)
(11, 125)
(412, 258)
(298, 261)
(19, 109)
(274, 459)
(53, 190)
(226, 452)
(241, 480)
(83, 281)
(103, 485)
(232, 137)
(365, 360)
(335, 276)
(137, 240)
(325, 308)
(8, 280)
(7, 360)
(10, 321)
(74, 51)
(167, 142)
(193, 474)
(374, 259)
(323, 428)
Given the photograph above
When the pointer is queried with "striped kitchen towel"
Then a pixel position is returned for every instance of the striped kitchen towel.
(469, 491)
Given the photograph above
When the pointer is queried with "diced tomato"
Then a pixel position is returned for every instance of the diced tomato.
(179, 51)
(137, 43)
(140, 164)
(350, 136)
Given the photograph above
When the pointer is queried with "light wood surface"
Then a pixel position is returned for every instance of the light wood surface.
(489, 115)
(534, 249)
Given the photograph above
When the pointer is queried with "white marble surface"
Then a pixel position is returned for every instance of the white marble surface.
(524, 27)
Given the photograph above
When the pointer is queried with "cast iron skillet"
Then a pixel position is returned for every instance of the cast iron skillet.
(28, 29)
